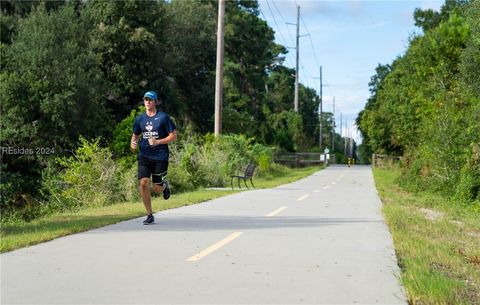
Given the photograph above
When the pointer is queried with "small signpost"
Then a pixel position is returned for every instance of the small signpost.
(325, 155)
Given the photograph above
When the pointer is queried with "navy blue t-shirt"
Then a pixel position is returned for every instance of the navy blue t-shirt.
(156, 127)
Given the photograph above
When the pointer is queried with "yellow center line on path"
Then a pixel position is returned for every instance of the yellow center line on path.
(326, 187)
(334, 182)
(316, 191)
(214, 247)
(303, 197)
(276, 211)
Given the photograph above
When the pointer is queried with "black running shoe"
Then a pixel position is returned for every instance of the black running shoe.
(166, 191)
(150, 220)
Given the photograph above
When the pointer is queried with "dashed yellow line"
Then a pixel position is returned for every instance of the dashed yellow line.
(326, 187)
(276, 211)
(303, 197)
(214, 247)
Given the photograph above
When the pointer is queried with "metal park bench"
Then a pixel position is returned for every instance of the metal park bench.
(247, 176)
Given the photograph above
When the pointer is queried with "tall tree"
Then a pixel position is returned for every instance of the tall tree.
(250, 52)
(190, 60)
(128, 40)
(426, 109)
(49, 88)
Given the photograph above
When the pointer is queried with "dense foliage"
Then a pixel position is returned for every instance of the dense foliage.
(72, 71)
(426, 104)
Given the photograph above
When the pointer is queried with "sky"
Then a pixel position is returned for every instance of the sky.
(348, 39)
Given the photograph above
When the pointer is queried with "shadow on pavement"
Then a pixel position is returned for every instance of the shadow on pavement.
(201, 223)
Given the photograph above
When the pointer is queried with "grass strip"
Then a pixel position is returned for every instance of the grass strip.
(20, 234)
(436, 240)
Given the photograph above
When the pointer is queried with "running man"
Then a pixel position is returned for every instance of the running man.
(157, 130)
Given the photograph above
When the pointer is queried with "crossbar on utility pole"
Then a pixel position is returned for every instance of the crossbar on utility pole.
(219, 70)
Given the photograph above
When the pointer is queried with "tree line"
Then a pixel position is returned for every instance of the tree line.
(72, 69)
(425, 105)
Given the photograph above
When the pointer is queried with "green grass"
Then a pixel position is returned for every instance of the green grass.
(20, 234)
(283, 177)
(437, 242)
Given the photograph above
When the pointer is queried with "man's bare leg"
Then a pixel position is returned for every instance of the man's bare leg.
(157, 188)
(145, 194)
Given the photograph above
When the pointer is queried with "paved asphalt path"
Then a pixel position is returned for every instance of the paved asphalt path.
(320, 240)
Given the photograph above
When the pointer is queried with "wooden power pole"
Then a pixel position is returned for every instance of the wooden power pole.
(219, 71)
(295, 102)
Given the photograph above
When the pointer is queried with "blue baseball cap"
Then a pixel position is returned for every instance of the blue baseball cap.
(151, 95)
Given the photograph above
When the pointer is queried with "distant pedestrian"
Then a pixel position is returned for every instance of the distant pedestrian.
(157, 130)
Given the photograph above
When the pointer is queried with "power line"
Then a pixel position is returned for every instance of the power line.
(275, 21)
(279, 30)
(281, 16)
(311, 42)
(306, 74)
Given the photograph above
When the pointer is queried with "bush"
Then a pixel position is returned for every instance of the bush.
(122, 134)
(14, 201)
(263, 156)
(129, 183)
(210, 161)
(183, 170)
(468, 188)
(90, 177)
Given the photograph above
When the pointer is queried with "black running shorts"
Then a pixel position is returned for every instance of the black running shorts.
(155, 168)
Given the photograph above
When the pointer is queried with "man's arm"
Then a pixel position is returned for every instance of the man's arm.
(172, 136)
(134, 142)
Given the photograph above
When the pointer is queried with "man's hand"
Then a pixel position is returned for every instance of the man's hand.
(134, 142)
(153, 141)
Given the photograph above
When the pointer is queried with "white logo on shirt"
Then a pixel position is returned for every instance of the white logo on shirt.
(149, 133)
(149, 126)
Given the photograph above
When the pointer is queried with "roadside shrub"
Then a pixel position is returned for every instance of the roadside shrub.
(182, 166)
(15, 201)
(263, 156)
(20, 197)
(128, 183)
(90, 177)
(209, 161)
(10, 187)
(122, 134)
(468, 188)
(231, 151)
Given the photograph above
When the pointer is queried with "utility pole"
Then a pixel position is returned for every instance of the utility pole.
(295, 102)
(297, 48)
(351, 143)
(219, 71)
(320, 142)
(345, 139)
(321, 110)
(333, 127)
(341, 124)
